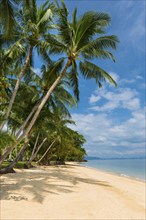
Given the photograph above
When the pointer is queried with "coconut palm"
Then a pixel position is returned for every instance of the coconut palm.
(80, 41)
(32, 24)
(25, 100)
(60, 131)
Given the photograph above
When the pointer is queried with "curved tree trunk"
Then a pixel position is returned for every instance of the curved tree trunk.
(28, 118)
(46, 152)
(4, 156)
(46, 97)
(28, 164)
(17, 87)
(43, 102)
(35, 145)
(9, 168)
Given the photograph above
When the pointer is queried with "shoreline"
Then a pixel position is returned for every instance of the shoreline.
(70, 191)
(129, 168)
(115, 173)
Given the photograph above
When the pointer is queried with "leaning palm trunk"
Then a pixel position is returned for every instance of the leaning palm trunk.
(28, 118)
(46, 152)
(4, 156)
(16, 87)
(35, 145)
(9, 168)
(43, 102)
(28, 164)
(10, 149)
(46, 97)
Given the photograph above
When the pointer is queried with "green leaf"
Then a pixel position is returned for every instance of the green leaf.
(45, 17)
(90, 70)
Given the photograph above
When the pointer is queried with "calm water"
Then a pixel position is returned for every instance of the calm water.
(127, 167)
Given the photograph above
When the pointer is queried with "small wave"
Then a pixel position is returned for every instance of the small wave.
(124, 175)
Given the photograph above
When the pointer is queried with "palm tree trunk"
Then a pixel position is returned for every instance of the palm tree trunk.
(9, 149)
(43, 102)
(4, 156)
(34, 155)
(28, 118)
(46, 152)
(17, 87)
(9, 168)
(35, 145)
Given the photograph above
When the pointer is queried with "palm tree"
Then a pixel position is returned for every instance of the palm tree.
(32, 24)
(60, 131)
(79, 40)
(5, 139)
(25, 100)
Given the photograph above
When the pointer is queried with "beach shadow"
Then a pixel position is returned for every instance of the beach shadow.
(43, 182)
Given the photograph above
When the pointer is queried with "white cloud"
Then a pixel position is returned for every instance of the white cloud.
(107, 134)
(121, 98)
(107, 138)
(127, 81)
(94, 98)
(139, 77)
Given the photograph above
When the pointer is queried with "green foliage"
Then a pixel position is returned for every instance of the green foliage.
(47, 30)
(19, 165)
(5, 140)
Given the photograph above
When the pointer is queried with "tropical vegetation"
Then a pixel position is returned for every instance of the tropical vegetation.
(35, 107)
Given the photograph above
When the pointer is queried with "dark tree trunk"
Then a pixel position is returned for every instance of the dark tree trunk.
(9, 168)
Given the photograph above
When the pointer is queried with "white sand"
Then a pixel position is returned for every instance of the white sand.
(70, 192)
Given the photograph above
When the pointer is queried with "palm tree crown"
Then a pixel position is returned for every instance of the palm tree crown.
(80, 40)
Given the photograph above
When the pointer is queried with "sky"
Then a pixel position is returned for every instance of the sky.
(113, 119)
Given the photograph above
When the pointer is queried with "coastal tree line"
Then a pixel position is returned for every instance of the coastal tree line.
(35, 107)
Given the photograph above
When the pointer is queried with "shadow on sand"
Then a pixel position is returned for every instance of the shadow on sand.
(39, 182)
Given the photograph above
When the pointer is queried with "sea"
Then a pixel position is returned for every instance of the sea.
(132, 168)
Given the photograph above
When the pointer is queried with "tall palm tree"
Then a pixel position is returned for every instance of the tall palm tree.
(25, 100)
(32, 24)
(80, 41)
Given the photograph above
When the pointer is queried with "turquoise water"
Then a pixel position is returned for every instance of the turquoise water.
(135, 168)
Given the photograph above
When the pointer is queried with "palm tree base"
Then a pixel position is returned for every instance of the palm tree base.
(28, 166)
(7, 170)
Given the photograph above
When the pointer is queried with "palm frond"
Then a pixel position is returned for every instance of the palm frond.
(16, 50)
(64, 28)
(50, 74)
(6, 139)
(61, 94)
(98, 53)
(7, 16)
(74, 19)
(46, 17)
(88, 25)
(73, 79)
(90, 70)
(51, 44)
(101, 43)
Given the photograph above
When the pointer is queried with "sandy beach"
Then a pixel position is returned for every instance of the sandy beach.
(70, 192)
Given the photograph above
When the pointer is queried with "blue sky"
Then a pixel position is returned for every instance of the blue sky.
(113, 119)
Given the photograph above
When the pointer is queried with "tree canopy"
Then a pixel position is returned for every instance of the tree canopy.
(35, 108)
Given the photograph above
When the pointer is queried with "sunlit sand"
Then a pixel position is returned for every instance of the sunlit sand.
(70, 192)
